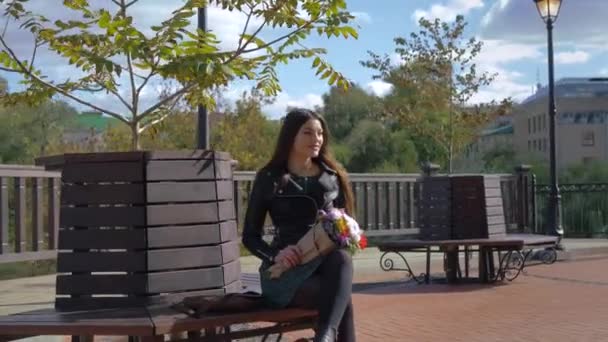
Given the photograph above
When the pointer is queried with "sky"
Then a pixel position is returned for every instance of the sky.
(514, 38)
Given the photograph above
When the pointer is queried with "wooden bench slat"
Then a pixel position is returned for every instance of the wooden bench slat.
(167, 321)
(144, 321)
(133, 321)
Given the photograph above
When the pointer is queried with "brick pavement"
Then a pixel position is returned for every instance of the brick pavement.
(567, 301)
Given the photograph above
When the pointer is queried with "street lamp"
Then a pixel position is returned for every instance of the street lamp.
(202, 132)
(549, 10)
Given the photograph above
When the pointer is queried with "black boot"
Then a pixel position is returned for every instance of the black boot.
(325, 335)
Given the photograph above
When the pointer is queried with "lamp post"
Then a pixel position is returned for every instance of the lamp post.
(202, 132)
(549, 10)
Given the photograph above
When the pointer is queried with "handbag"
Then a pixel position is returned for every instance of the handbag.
(197, 306)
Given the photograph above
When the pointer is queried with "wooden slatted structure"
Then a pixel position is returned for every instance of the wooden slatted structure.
(136, 227)
(435, 208)
(478, 211)
(460, 207)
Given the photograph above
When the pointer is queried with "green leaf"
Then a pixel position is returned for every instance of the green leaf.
(333, 78)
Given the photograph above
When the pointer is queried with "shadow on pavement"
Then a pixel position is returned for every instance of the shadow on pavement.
(411, 287)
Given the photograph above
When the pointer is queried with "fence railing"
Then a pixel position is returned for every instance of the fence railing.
(386, 203)
(385, 206)
(29, 213)
(584, 207)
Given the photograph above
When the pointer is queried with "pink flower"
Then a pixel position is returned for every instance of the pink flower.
(334, 214)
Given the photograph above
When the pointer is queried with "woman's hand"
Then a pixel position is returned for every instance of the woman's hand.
(288, 256)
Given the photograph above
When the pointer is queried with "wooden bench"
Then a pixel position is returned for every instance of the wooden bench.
(513, 253)
(153, 323)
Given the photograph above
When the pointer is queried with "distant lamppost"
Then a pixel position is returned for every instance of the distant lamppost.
(202, 132)
(549, 10)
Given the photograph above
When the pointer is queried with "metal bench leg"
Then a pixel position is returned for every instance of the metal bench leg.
(194, 335)
(510, 265)
(427, 276)
(387, 264)
(466, 262)
(158, 338)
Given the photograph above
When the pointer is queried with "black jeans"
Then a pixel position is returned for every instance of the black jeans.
(329, 290)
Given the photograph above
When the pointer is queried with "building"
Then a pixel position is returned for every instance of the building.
(88, 128)
(499, 134)
(582, 121)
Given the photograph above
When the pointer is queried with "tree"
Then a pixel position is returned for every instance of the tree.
(108, 49)
(433, 84)
(246, 132)
(28, 131)
(344, 108)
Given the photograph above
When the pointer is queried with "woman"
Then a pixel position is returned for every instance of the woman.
(302, 177)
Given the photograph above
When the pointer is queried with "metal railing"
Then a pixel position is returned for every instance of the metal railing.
(584, 209)
(29, 213)
(386, 203)
(385, 207)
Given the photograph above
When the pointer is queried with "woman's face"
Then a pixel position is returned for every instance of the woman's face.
(309, 139)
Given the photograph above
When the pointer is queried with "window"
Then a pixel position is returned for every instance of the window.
(544, 122)
(534, 144)
(529, 129)
(588, 138)
(545, 144)
(529, 145)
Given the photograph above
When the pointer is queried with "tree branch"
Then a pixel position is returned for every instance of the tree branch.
(147, 78)
(153, 122)
(115, 93)
(308, 23)
(245, 29)
(5, 28)
(162, 102)
(25, 70)
(131, 3)
(8, 69)
(162, 118)
(134, 93)
(33, 57)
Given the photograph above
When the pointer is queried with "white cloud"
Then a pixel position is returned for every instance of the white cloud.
(499, 52)
(573, 57)
(581, 23)
(448, 11)
(283, 101)
(225, 24)
(507, 84)
(396, 59)
(493, 58)
(379, 88)
(604, 72)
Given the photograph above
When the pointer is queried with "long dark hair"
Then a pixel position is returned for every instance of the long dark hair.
(291, 125)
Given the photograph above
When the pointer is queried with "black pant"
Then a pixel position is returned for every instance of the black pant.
(329, 290)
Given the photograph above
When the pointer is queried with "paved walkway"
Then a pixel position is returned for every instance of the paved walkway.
(567, 301)
(563, 302)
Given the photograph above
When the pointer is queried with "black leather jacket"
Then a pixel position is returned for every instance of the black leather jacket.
(292, 203)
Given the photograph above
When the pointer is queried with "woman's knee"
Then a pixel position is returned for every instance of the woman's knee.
(339, 259)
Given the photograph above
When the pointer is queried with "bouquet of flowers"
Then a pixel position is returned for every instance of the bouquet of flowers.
(343, 230)
(334, 229)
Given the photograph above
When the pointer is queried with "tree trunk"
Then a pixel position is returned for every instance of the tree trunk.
(451, 139)
(135, 136)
